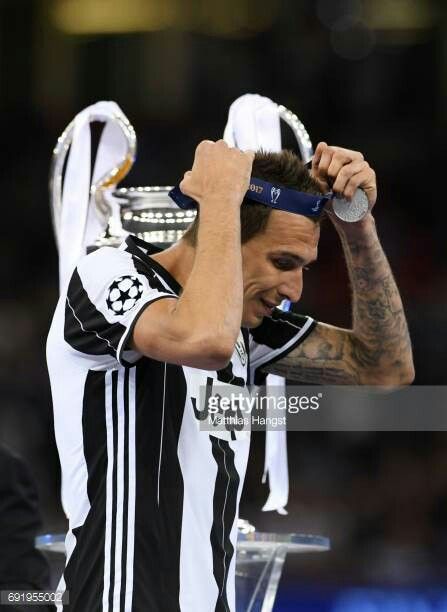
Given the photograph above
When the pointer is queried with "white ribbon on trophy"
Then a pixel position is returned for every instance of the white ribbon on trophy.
(84, 207)
(254, 123)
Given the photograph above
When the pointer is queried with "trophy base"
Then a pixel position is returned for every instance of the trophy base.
(260, 559)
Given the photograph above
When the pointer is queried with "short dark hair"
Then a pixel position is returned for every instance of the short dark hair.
(284, 169)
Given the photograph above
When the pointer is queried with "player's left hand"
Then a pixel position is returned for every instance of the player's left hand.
(343, 171)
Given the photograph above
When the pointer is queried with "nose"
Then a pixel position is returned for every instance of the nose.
(291, 285)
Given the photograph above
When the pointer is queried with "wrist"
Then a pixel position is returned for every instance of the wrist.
(360, 230)
(219, 215)
(214, 203)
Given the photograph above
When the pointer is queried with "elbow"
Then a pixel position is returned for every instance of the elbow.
(211, 353)
(391, 369)
(218, 353)
(409, 374)
(215, 362)
(400, 374)
(392, 378)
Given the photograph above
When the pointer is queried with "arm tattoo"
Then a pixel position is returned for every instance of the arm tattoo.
(378, 348)
(381, 342)
(325, 357)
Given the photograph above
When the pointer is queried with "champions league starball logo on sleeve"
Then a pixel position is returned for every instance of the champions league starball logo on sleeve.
(123, 294)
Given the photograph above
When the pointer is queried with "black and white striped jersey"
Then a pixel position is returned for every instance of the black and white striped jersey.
(152, 500)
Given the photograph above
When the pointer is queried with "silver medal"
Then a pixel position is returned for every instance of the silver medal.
(351, 211)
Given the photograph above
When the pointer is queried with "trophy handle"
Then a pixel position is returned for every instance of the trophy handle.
(105, 182)
(56, 173)
(300, 132)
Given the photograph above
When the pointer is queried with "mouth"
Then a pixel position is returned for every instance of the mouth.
(268, 306)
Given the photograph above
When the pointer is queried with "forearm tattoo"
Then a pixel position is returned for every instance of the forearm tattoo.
(380, 341)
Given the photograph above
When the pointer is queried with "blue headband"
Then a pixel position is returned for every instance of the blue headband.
(271, 195)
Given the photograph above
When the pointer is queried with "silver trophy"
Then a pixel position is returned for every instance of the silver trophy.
(300, 132)
(150, 214)
(146, 212)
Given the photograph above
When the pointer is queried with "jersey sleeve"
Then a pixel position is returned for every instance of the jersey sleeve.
(275, 338)
(106, 294)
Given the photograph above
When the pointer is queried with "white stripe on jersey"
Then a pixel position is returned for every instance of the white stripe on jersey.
(164, 283)
(224, 581)
(120, 491)
(109, 489)
(199, 476)
(131, 495)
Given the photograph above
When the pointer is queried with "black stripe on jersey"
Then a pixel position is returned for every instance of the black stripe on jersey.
(277, 330)
(125, 489)
(246, 336)
(134, 246)
(84, 574)
(226, 375)
(85, 328)
(152, 278)
(158, 523)
(224, 514)
(114, 485)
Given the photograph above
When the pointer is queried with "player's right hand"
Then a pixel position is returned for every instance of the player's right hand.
(220, 174)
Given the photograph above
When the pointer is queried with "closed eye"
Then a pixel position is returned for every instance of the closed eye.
(289, 262)
(285, 264)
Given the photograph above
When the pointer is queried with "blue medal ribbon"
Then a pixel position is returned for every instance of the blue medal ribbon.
(275, 196)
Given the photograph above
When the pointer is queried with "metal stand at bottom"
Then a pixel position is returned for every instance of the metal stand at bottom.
(259, 563)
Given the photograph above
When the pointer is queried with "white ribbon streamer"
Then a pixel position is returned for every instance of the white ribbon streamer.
(275, 463)
(80, 223)
(254, 123)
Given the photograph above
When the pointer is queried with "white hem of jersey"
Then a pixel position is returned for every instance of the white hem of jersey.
(131, 322)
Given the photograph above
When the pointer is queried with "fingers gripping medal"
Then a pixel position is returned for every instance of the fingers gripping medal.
(351, 210)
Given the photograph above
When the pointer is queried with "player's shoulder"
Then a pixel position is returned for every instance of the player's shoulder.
(97, 270)
(103, 273)
(104, 256)
(107, 262)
